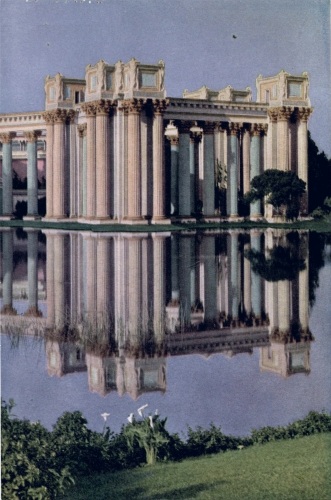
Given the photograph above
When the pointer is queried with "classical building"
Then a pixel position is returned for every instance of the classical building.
(118, 149)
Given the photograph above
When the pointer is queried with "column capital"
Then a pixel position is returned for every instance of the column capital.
(284, 113)
(71, 115)
(82, 129)
(32, 136)
(6, 137)
(234, 128)
(257, 129)
(208, 127)
(273, 114)
(160, 106)
(183, 126)
(133, 106)
(89, 108)
(304, 113)
(103, 107)
(195, 136)
(60, 116)
(174, 140)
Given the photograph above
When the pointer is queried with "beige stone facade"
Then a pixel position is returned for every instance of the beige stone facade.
(118, 149)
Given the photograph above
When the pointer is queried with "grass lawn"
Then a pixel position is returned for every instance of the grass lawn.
(297, 469)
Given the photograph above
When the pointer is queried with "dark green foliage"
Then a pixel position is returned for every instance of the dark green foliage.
(30, 469)
(280, 189)
(204, 441)
(313, 423)
(319, 176)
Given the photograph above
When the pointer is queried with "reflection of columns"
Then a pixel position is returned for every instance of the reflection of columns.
(60, 180)
(50, 278)
(302, 159)
(7, 175)
(102, 194)
(33, 273)
(255, 161)
(210, 278)
(284, 115)
(233, 281)
(159, 244)
(7, 280)
(90, 110)
(246, 158)
(283, 305)
(255, 278)
(103, 299)
(91, 278)
(32, 174)
(304, 295)
(133, 287)
(208, 169)
(158, 161)
(61, 273)
(174, 175)
(134, 161)
(82, 169)
(247, 284)
(184, 263)
(184, 188)
(232, 167)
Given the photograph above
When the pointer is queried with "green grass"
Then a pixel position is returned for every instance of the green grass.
(284, 470)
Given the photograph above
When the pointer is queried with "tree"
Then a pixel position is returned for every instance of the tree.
(280, 189)
(319, 176)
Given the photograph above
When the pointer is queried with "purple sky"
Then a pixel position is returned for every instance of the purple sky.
(193, 37)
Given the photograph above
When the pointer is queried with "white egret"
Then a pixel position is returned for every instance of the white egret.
(105, 416)
(141, 409)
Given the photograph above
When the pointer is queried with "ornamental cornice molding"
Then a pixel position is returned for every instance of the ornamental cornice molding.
(6, 137)
(32, 136)
(82, 129)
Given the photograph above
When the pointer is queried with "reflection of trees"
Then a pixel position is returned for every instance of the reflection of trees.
(317, 242)
(283, 262)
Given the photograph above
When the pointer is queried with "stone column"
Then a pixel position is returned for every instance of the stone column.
(60, 177)
(120, 161)
(102, 160)
(7, 176)
(73, 174)
(233, 160)
(302, 158)
(272, 139)
(159, 210)
(82, 170)
(7, 280)
(49, 119)
(284, 114)
(90, 111)
(33, 273)
(184, 182)
(255, 161)
(196, 173)
(32, 175)
(208, 169)
(174, 148)
(134, 161)
(246, 158)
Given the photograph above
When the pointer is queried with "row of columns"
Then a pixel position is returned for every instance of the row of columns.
(6, 199)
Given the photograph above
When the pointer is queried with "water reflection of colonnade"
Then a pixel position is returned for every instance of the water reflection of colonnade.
(118, 304)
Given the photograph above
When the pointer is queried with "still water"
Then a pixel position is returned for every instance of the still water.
(226, 327)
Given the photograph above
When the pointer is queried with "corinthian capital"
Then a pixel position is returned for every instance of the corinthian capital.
(234, 128)
(6, 137)
(82, 129)
(284, 113)
(134, 106)
(257, 129)
(304, 113)
(32, 136)
(183, 126)
(103, 107)
(273, 114)
(160, 106)
(208, 127)
(89, 108)
(60, 115)
(71, 115)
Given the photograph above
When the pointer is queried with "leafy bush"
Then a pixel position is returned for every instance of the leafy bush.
(28, 462)
(204, 441)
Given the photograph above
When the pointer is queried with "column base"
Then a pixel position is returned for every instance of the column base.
(257, 217)
(7, 217)
(160, 220)
(9, 310)
(33, 311)
(32, 217)
(135, 220)
(55, 218)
